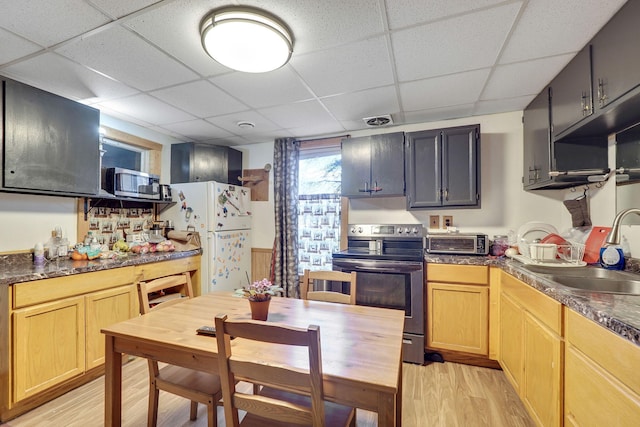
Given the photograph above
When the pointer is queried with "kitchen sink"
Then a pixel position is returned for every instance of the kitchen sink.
(592, 279)
(586, 272)
(611, 286)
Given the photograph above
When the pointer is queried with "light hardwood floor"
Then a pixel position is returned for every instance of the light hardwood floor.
(438, 394)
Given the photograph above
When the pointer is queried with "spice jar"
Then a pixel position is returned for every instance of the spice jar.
(500, 245)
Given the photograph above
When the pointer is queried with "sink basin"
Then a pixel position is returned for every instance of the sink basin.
(612, 286)
(585, 272)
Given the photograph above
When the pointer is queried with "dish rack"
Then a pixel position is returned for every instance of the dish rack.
(567, 254)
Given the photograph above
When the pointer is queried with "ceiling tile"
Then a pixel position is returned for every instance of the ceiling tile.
(523, 78)
(301, 115)
(56, 20)
(148, 109)
(201, 98)
(197, 130)
(229, 122)
(437, 93)
(57, 74)
(124, 56)
(318, 25)
(403, 13)
(176, 27)
(120, 8)
(14, 47)
(436, 114)
(265, 89)
(453, 45)
(366, 103)
(551, 27)
(349, 68)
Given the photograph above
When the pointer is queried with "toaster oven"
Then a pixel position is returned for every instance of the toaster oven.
(459, 243)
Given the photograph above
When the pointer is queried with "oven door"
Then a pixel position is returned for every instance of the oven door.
(390, 284)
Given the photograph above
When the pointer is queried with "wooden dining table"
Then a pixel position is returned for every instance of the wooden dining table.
(361, 347)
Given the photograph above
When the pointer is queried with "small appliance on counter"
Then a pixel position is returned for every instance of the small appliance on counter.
(165, 192)
(457, 243)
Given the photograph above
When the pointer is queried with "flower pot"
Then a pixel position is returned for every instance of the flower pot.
(259, 309)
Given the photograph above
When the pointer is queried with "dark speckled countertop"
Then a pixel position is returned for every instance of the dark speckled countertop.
(16, 268)
(618, 313)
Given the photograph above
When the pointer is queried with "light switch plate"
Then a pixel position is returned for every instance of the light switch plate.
(434, 221)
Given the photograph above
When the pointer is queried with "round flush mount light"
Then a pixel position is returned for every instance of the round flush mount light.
(246, 39)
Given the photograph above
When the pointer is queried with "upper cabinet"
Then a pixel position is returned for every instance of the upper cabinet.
(443, 168)
(537, 141)
(571, 93)
(196, 162)
(373, 166)
(616, 56)
(49, 144)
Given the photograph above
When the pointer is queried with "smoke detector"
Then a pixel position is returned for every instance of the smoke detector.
(378, 120)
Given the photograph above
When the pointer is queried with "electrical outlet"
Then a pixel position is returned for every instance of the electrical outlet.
(447, 221)
(434, 221)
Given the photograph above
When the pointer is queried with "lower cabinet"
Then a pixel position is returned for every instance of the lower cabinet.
(531, 348)
(103, 309)
(49, 345)
(53, 333)
(602, 380)
(458, 308)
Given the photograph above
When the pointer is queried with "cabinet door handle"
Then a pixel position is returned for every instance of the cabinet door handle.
(602, 97)
(446, 194)
(366, 188)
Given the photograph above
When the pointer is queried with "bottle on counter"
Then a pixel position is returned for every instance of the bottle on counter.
(612, 257)
(51, 247)
(88, 238)
(38, 254)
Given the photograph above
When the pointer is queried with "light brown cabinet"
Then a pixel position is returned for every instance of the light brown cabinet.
(53, 328)
(458, 308)
(49, 345)
(602, 382)
(531, 348)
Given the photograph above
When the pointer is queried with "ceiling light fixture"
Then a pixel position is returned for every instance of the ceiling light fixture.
(246, 125)
(246, 39)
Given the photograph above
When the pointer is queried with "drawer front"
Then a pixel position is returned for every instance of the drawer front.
(544, 308)
(615, 354)
(166, 268)
(39, 291)
(449, 273)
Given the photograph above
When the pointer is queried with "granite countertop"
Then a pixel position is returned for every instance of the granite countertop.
(17, 268)
(618, 313)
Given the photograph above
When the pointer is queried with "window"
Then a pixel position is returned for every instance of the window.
(121, 155)
(319, 181)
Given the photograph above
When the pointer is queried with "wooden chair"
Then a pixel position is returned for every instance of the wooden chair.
(199, 387)
(290, 396)
(307, 292)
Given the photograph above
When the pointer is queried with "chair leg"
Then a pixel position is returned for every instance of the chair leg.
(194, 410)
(212, 414)
(152, 416)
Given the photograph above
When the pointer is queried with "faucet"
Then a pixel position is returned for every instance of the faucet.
(614, 236)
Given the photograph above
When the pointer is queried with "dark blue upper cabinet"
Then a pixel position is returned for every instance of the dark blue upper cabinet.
(443, 168)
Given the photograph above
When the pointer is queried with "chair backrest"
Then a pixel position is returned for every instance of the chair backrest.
(307, 292)
(279, 377)
(163, 292)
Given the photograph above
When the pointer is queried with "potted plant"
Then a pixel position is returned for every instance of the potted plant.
(259, 294)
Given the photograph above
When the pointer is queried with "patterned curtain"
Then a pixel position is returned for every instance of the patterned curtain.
(285, 181)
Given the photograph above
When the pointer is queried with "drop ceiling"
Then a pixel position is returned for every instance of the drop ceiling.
(141, 61)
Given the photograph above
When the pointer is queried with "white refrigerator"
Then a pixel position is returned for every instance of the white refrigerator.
(221, 213)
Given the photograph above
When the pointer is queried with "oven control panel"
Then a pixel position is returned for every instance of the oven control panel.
(386, 230)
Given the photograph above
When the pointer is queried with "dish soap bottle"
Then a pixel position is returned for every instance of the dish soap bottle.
(612, 257)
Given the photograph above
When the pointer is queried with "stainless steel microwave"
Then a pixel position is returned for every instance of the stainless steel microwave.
(130, 183)
(459, 243)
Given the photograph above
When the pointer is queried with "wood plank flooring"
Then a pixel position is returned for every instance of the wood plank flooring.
(439, 394)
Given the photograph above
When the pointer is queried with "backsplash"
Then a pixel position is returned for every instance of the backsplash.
(109, 225)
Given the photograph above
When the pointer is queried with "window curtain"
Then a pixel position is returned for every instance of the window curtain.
(285, 248)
